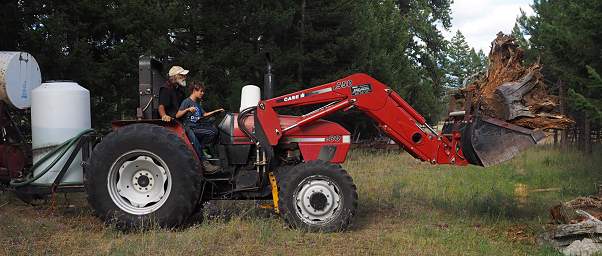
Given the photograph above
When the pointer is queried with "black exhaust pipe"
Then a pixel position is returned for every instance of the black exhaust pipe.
(268, 79)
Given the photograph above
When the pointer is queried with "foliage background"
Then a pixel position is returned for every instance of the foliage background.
(98, 43)
(399, 42)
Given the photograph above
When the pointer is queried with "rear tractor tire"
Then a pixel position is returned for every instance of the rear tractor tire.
(317, 196)
(142, 176)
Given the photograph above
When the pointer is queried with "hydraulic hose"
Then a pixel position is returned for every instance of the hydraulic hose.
(61, 150)
(241, 122)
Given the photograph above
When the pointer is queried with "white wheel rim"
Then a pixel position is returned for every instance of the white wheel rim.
(139, 182)
(317, 200)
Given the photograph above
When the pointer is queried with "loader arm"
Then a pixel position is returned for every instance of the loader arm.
(393, 115)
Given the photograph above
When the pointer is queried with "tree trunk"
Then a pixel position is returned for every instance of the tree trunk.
(575, 135)
(300, 66)
(564, 134)
(404, 6)
(587, 135)
(515, 93)
(580, 139)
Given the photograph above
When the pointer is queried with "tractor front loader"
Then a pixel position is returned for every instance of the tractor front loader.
(146, 172)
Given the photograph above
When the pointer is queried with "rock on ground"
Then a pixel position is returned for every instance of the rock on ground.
(583, 247)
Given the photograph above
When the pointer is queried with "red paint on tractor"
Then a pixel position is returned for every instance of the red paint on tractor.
(393, 115)
(12, 162)
(310, 138)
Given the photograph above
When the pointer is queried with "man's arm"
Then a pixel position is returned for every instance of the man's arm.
(164, 116)
(162, 111)
(163, 99)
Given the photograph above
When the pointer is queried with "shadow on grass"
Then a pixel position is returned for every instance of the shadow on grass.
(227, 210)
(494, 204)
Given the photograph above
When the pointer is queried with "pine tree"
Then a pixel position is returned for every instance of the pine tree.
(589, 101)
(10, 27)
(426, 50)
(478, 62)
(381, 40)
(458, 60)
(462, 62)
(97, 43)
(565, 35)
(518, 34)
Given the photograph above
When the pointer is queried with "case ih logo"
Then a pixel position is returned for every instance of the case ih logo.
(294, 97)
(361, 89)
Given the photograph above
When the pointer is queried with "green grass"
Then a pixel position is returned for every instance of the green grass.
(406, 207)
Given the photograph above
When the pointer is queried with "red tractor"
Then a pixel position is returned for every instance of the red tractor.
(146, 171)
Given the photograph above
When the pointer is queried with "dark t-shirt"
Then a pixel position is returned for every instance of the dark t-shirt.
(192, 119)
(170, 98)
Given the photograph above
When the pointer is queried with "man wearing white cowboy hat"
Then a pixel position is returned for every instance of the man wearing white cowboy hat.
(172, 94)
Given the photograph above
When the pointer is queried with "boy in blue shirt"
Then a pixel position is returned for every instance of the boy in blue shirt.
(200, 133)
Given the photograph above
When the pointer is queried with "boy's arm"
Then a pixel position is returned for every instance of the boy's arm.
(212, 112)
(184, 108)
(181, 113)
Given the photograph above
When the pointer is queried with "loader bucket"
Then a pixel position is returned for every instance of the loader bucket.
(489, 141)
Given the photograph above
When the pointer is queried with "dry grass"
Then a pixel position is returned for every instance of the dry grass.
(406, 207)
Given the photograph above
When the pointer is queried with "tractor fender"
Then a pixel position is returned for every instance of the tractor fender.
(174, 126)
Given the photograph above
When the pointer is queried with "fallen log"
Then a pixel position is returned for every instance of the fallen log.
(512, 92)
(580, 229)
(587, 227)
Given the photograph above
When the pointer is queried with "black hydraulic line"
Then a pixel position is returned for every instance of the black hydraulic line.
(86, 149)
(241, 124)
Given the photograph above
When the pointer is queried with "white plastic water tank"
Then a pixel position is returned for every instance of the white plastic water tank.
(19, 74)
(249, 97)
(59, 111)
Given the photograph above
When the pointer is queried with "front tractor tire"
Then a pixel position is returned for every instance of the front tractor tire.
(141, 176)
(317, 196)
